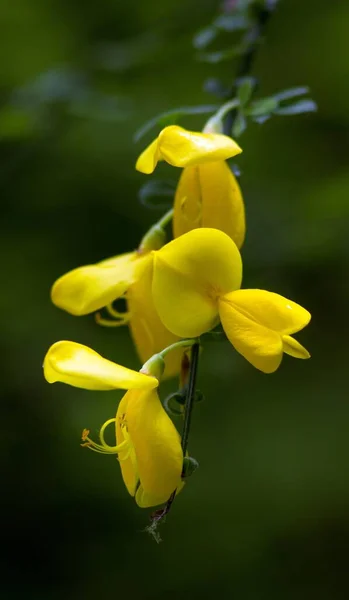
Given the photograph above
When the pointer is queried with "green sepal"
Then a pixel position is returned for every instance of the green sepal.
(190, 465)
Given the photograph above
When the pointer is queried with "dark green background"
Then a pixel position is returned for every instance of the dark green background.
(267, 514)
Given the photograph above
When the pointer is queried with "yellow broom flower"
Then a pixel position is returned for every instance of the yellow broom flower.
(196, 282)
(208, 195)
(190, 274)
(182, 148)
(259, 323)
(92, 287)
(148, 332)
(147, 443)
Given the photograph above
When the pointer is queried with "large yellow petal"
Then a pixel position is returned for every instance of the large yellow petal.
(127, 458)
(89, 288)
(208, 195)
(270, 309)
(149, 334)
(258, 344)
(182, 148)
(79, 366)
(184, 308)
(255, 322)
(157, 447)
(190, 273)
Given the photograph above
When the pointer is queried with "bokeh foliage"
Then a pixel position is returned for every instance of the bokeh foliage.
(266, 515)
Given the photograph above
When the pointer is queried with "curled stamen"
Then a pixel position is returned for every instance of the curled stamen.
(103, 448)
(115, 313)
(110, 322)
(101, 433)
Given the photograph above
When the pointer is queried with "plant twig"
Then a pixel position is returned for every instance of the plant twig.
(189, 401)
(251, 43)
(159, 515)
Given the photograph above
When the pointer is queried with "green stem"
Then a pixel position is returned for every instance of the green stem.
(160, 514)
(155, 364)
(189, 401)
(252, 42)
(166, 219)
(155, 237)
(180, 344)
(214, 123)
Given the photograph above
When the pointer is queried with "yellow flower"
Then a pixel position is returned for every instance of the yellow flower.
(147, 330)
(190, 274)
(147, 443)
(196, 282)
(259, 323)
(208, 195)
(92, 287)
(182, 148)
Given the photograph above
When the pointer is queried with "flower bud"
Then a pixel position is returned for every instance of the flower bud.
(190, 465)
(154, 367)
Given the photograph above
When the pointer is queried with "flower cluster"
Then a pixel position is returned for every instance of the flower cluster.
(172, 291)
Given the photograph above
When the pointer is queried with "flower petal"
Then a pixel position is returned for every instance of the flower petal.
(149, 334)
(255, 320)
(145, 499)
(190, 273)
(183, 308)
(260, 346)
(294, 348)
(149, 158)
(80, 366)
(127, 458)
(157, 447)
(271, 310)
(181, 148)
(89, 288)
(208, 195)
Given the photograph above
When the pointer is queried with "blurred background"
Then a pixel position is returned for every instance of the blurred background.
(266, 516)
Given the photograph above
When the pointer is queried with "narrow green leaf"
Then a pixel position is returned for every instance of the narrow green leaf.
(171, 117)
(204, 37)
(153, 192)
(220, 55)
(213, 85)
(245, 89)
(291, 93)
(262, 107)
(262, 118)
(239, 125)
(298, 108)
(231, 22)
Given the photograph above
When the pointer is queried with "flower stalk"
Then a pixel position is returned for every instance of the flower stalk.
(159, 515)
(151, 367)
(189, 402)
(156, 235)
